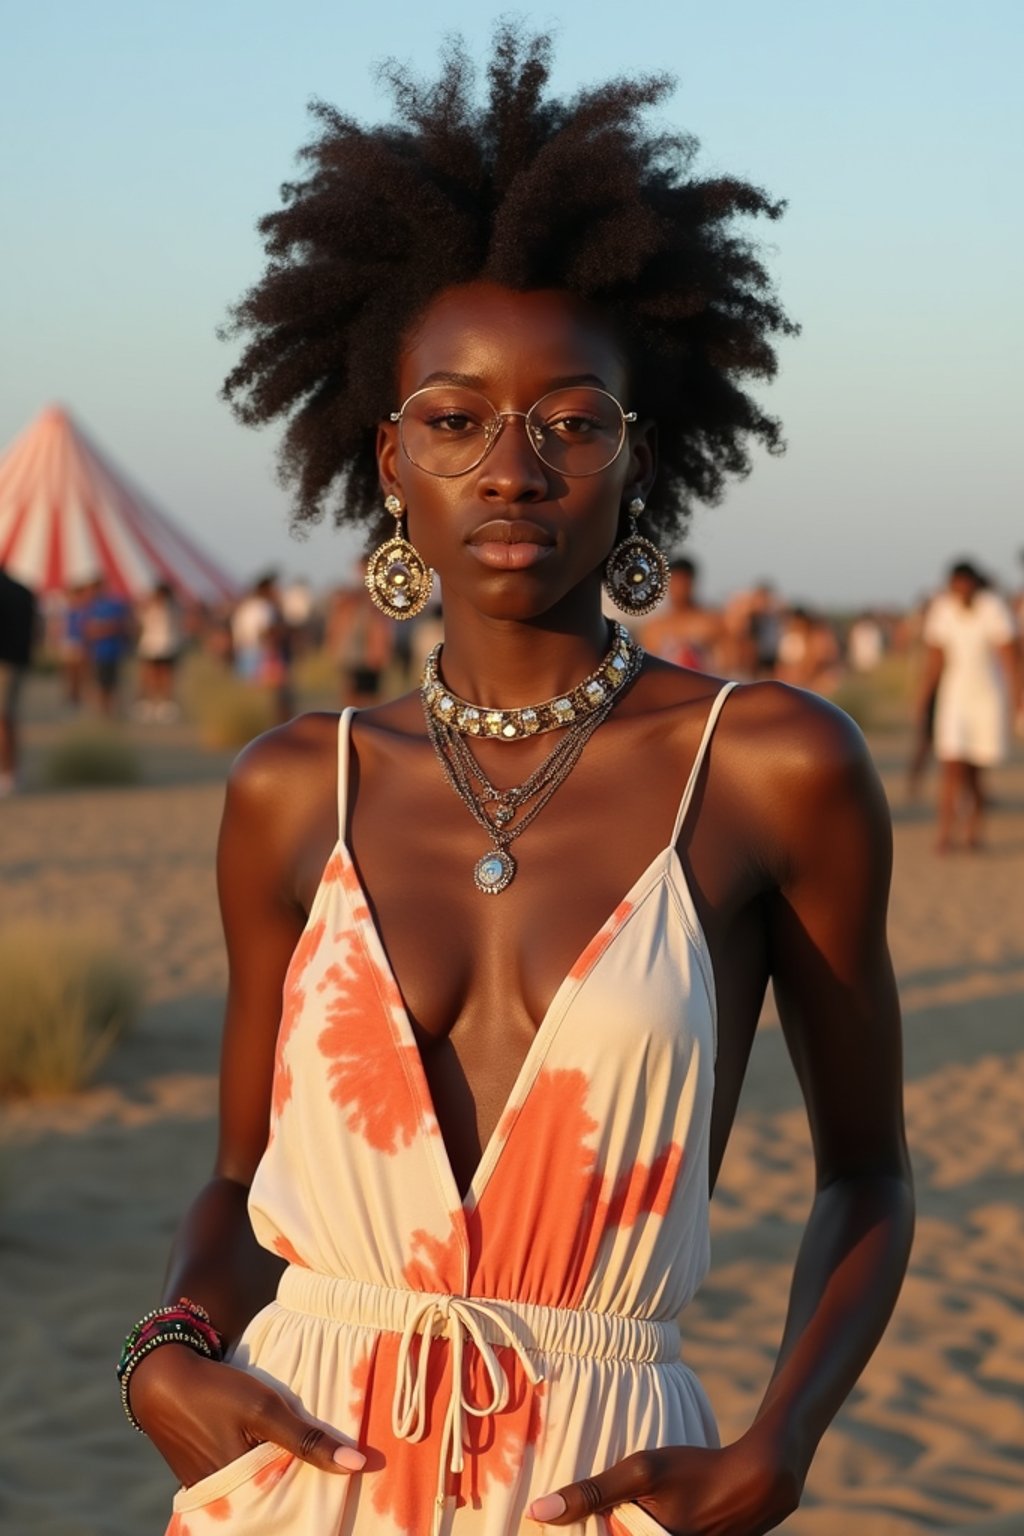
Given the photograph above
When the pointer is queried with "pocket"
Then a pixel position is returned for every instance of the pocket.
(250, 1472)
(631, 1520)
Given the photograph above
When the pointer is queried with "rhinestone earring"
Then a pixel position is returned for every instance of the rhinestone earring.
(636, 571)
(397, 578)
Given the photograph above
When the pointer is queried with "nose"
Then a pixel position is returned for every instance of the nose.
(511, 471)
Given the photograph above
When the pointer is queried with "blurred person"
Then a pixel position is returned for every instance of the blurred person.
(971, 670)
(910, 638)
(297, 610)
(158, 647)
(262, 644)
(751, 623)
(807, 654)
(71, 647)
(865, 643)
(360, 639)
(107, 626)
(253, 622)
(18, 632)
(686, 633)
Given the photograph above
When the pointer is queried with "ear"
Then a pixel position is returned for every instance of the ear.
(643, 458)
(388, 457)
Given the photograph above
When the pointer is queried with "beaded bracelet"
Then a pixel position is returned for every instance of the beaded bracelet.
(184, 1322)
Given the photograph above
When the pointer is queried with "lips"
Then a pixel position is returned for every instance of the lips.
(510, 544)
(501, 530)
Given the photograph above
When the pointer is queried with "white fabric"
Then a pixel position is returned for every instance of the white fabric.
(972, 708)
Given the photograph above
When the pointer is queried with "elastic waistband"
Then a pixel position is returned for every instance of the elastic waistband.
(537, 1329)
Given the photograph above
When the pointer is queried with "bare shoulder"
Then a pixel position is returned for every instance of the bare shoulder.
(804, 772)
(282, 773)
(799, 731)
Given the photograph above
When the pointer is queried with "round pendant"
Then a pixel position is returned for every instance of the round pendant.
(494, 871)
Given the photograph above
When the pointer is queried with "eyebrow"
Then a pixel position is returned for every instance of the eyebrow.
(472, 381)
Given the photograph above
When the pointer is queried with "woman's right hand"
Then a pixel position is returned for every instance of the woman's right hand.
(201, 1414)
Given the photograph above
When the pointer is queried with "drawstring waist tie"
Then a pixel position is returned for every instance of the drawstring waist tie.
(481, 1321)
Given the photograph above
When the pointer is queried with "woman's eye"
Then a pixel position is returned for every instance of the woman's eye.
(572, 426)
(452, 421)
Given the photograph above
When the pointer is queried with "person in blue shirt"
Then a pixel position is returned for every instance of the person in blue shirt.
(107, 627)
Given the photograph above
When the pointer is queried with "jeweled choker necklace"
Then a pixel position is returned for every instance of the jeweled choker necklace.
(504, 813)
(569, 708)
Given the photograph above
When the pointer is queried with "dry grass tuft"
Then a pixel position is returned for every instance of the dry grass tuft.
(92, 754)
(227, 711)
(65, 997)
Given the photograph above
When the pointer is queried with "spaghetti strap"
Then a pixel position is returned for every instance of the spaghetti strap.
(344, 736)
(691, 783)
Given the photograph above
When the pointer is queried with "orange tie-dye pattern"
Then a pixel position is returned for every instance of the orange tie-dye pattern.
(438, 1266)
(366, 1071)
(289, 1252)
(291, 1011)
(547, 1249)
(497, 1444)
(177, 1527)
(360, 1378)
(404, 1488)
(533, 1240)
(270, 1476)
(642, 1190)
(600, 942)
(218, 1509)
(334, 872)
(352, 886)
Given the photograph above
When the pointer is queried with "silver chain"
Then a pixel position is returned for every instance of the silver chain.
(461, 769)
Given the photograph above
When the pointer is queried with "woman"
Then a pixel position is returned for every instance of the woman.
(970, 679)
(493, 1102)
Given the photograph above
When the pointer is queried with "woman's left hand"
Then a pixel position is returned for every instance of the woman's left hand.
(688, 1490)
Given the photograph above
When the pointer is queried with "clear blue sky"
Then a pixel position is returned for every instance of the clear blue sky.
(142, 141)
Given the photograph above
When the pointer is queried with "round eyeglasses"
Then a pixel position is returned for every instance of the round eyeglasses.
(447, 430)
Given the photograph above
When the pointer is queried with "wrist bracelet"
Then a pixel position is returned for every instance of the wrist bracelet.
(182, 1322)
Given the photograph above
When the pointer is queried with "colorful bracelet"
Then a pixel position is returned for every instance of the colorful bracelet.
(183, 1322)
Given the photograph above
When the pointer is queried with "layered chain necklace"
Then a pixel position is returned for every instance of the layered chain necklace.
(505, 813)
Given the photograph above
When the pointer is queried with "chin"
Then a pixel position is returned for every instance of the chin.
(519, 600)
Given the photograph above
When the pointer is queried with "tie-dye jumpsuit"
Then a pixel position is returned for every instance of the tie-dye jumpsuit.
(484, 1350)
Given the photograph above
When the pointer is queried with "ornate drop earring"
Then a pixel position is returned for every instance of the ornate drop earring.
(398, 579)
(636, 571)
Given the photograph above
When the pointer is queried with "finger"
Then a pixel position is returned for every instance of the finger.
(323, 1448)
(627, 1480)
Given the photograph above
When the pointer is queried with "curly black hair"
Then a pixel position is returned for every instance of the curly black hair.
(530, 192)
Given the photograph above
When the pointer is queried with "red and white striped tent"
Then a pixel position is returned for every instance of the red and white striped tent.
(68, 516)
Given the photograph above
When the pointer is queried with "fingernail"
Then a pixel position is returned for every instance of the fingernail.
(548, 1508)
(348, 1457)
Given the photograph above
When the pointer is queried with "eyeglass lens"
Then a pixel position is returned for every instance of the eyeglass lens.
(449, 430)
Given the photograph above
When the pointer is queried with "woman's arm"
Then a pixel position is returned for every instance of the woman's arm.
(828, 842)
(931, 671)
(838, 1006)
(199, 1414)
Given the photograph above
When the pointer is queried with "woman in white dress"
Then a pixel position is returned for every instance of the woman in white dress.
(972, 659)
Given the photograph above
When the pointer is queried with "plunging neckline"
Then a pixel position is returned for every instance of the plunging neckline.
(662, 865)
(664, 861)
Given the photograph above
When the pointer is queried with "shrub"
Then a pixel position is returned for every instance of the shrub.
(227, 711)
(879, 701)
(92, 754)
(65, 997)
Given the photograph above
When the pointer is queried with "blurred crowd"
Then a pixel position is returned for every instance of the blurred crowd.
(966, 631)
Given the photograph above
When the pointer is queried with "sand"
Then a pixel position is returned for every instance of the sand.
(91, 1185)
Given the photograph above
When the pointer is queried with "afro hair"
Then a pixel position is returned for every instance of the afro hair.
(527, 191)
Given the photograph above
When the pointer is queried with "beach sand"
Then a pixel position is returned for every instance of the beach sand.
(92, 1185)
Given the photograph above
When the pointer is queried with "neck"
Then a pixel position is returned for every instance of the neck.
(512, 663)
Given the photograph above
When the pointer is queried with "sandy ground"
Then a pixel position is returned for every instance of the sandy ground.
(91, 1186)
